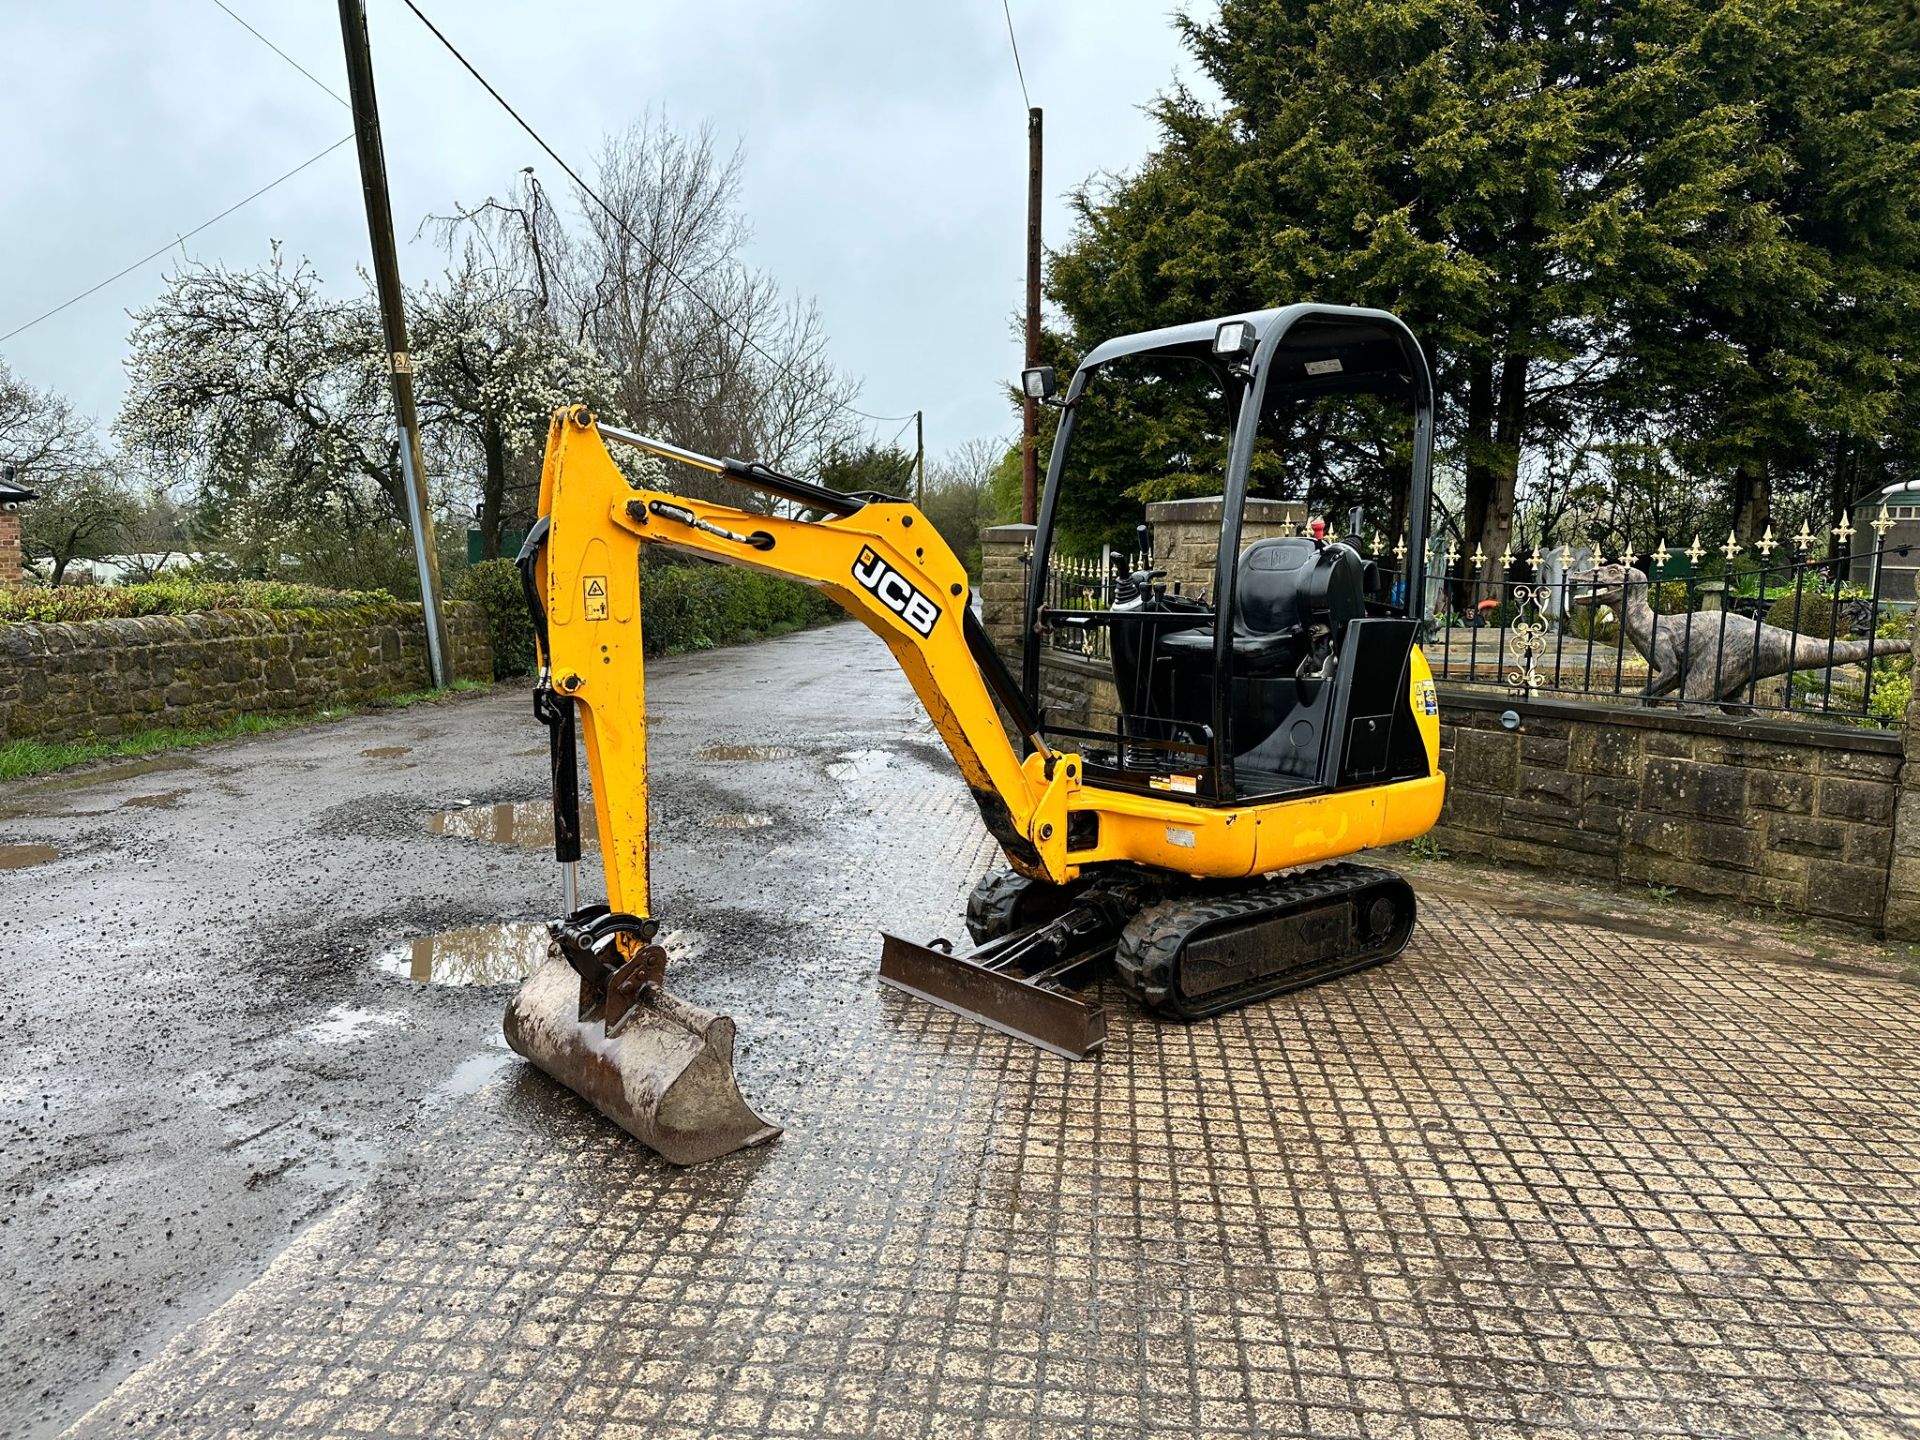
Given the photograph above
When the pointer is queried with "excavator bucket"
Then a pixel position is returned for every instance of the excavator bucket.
(659, 1068)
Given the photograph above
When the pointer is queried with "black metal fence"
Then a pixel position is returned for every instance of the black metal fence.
(1084, 585)
(1777, 630)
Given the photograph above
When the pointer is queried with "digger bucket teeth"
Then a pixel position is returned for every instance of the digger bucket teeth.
(665, 1074)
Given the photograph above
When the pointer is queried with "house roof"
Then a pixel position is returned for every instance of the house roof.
(1901, 492)
(12, 494)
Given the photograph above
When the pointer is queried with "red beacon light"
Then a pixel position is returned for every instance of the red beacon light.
(1319, 529)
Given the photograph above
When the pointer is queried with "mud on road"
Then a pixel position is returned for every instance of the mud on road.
(214, 961)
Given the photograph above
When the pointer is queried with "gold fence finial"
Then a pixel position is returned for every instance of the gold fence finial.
(1843, 532)
(1732, 547)
(1766, 544)
(1696, 550)
(1882, 523)
(1804, 540)
(1660, 557)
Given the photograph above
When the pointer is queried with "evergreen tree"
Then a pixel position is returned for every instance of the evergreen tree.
(1572, 204)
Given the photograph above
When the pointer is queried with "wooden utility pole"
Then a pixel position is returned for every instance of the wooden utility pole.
(386, 278)
(1029, 407)
(919, 458)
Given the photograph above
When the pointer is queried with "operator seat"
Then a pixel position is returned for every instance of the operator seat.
(1285, 586)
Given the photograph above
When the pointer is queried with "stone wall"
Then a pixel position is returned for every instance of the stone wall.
(106, 677)
(1791, 817)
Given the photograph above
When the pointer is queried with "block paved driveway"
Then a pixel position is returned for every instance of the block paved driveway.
(1551, 1173)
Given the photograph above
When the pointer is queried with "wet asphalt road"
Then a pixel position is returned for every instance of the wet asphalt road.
(204, 1053)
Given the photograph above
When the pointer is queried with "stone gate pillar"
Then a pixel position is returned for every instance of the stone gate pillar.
(1003, 586)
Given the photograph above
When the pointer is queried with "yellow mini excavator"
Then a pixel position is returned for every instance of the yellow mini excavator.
(1283, 724)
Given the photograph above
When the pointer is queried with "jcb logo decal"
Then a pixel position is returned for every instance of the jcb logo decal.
(895, 592)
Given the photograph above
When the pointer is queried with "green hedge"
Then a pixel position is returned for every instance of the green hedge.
(494, 585)
(683, 607)
(696, 607)
(170, 596)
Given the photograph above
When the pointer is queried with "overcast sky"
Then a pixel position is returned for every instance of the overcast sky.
(885, 150)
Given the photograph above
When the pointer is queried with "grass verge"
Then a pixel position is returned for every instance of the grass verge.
(20, 759)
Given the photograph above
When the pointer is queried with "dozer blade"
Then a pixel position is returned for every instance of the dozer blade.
(662, 1070)
(1006, 1002)
(1022, 983)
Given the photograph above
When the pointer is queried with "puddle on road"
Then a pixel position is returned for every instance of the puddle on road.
(503, 954)
(19, 857)
(387, 752)
(739, 822)
(344, 1024)
(718, 753)
(130, 771)
(853, 763)
(526, 823)
(43, 796)
(165, 800)
(471, 1074)
(500, 954)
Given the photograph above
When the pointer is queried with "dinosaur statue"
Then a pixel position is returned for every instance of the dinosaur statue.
(1694, 653)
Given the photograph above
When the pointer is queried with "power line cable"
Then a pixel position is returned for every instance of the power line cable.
(177, 240)
(1011, 40)
(285, 56)
(615, 216)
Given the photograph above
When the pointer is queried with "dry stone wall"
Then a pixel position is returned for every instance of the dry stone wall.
(108, 677)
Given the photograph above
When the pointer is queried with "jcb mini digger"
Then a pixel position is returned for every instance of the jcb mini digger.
(1286, 722)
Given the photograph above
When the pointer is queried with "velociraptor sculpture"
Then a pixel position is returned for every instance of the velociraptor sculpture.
(1709, 663)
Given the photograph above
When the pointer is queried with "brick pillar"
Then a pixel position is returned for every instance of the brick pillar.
(12, 562)
(1902, 915)
(1186, 533)
(1003, 586)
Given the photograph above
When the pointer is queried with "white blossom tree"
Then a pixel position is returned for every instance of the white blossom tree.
(490, 367)
(256, 385)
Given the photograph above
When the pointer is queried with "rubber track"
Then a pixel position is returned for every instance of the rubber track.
(1150, 945)
(993, 909)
